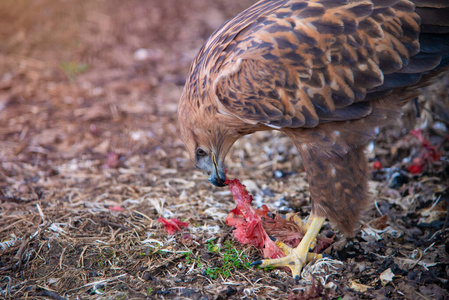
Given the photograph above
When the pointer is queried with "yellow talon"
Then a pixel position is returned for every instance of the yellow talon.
(297, 257)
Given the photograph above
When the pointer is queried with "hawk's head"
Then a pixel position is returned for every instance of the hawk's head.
(206, 138)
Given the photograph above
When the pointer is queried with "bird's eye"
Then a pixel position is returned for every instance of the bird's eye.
(200, 152)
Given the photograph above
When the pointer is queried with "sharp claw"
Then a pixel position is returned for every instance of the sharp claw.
(296, 258)
(273, 239)
(256, 263)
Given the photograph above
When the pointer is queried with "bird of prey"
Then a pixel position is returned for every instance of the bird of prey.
(327, 73)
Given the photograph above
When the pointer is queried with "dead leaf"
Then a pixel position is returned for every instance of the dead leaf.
(433, 213)
(103, 147)
(386, 276)
(358, 287)
(379, 223)
(95, 112)
(47, 137)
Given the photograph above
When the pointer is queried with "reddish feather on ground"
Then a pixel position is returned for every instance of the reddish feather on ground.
(172, 225)
(287, 231)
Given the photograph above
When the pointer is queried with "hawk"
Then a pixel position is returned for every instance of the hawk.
(326, 73)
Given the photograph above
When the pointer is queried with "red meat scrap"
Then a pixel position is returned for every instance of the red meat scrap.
(172, 225)
(248, 223)
(254, 226)
(430, 153)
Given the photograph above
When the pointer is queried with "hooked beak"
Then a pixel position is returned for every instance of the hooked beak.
(218, 176)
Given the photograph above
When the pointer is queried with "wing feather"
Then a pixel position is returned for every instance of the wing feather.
(298, 63)
(315, 61)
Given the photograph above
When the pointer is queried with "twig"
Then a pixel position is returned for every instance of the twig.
(222, 238)
(81, 259)
(418, 260)
(8, 286)
(431, 245)
(249, 281)
(50, 294)
(167, 261)
(114, 225)
(27, 241)
(12, 225)
(61, 258)
(41, 213)
(97, 282)
(377, 207)
(145, 216)
(424, 297)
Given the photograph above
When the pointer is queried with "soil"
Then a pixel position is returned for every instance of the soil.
(90, 158)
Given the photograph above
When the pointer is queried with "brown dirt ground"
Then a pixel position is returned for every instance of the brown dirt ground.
(90, 157)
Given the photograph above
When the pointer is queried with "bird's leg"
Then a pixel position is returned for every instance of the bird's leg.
(287, 250)
(296, 258)
(304, 226)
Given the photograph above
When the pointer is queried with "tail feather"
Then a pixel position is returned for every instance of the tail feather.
(434, 43)
(422, 62)
(433, 16)
(434, 30)
(431, 3)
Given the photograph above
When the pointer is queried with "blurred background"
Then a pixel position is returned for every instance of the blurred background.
(93, 77)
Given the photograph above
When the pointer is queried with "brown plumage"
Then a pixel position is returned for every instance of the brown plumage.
(326, 73)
